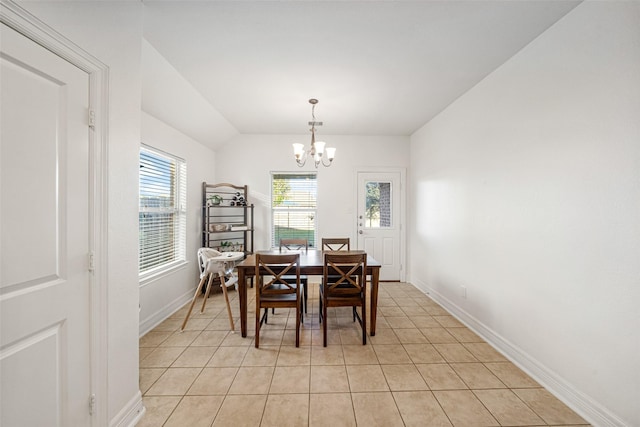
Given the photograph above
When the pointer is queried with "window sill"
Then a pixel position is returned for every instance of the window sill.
(154, 275)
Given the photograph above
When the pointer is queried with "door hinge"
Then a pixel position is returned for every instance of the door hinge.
(92, 403)
(92, 119)
(91, 261)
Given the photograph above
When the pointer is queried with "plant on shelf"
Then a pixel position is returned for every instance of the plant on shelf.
(215, 200)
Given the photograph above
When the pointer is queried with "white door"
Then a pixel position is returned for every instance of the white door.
(379, 220)
(44, 220)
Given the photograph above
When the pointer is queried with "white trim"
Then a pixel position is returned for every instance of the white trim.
(130, 414)
(22, 21)
(161, 272)
(159, 316)
(403, 210)
(585, 406)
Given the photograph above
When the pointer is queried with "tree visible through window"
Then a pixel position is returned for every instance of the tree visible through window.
(378, 205)
(293, 207)
(162, 211)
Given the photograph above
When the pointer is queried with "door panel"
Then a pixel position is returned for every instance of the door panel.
(44, 220)
(379, 220)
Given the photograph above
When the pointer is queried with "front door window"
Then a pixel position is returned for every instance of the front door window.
(378, 205)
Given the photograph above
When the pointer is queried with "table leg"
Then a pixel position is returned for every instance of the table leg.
(375, 277)
(242, 296)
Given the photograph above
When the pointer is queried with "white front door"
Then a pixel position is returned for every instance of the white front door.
(44, 221)
(379, 220)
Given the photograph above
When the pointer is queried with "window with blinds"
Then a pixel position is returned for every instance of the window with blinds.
(293, 207)
(162, 212)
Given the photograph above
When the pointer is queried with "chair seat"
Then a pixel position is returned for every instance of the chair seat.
(345, 295)
(279, 298)
(344, 299)
(341, 290)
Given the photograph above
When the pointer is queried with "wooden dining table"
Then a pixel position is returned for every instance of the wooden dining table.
(311, 263)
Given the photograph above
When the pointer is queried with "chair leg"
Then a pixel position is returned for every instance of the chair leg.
(298, 316)
(364, 321)
(257, 338)
(324, 325)
(301, 312)
(193, 302)
(206, 295)
(226, 299)
(304, 295)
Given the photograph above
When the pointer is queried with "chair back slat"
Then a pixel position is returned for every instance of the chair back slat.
(344, 273)
(275, 267)
(336, 244)
(294, 244)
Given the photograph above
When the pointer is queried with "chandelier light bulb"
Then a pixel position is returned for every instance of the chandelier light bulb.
(320, 147)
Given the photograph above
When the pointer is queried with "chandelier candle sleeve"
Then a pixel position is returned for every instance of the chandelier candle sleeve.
(317, 149)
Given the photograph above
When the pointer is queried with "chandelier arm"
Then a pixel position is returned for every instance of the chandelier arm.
(326, 165)
(302, 162)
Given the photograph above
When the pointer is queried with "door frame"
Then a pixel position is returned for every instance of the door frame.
(402, 215)
(31, 27)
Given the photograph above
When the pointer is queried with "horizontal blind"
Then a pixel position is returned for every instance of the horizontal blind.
(294, 207)
(162, 210)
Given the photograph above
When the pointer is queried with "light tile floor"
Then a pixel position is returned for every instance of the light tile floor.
(423, 368)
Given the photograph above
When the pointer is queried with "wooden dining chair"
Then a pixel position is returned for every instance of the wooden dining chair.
(297, 245)
(211, 269)
(274, 290)
(336, 244)
(344, 284)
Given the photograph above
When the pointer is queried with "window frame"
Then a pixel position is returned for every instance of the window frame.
(314, 210)
(178, 209)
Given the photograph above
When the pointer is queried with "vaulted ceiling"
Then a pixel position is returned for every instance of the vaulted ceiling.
(216, 68)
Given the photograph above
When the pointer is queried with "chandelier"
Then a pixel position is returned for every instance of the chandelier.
(316, 150)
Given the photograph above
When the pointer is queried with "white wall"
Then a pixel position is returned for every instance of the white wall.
(526, 191)
(112, 32)
(163, 295)
(250, 159)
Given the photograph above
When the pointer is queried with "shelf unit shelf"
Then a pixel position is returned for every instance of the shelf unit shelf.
(225, 205)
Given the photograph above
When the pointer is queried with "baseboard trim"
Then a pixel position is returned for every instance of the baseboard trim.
(585, 406)
(130, 414)
(159, 316)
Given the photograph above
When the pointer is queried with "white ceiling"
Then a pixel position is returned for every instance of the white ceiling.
(377, 67)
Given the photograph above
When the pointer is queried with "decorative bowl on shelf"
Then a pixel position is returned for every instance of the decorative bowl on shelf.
(218, 227)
